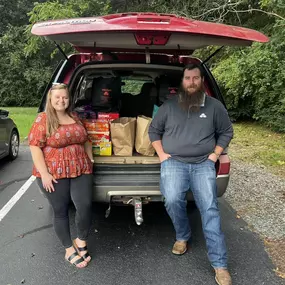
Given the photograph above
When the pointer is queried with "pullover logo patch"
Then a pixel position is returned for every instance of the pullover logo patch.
(203, 115)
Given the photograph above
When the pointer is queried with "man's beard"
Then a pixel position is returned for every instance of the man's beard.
(190, 101)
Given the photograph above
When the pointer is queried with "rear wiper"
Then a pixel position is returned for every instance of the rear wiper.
(213, 54)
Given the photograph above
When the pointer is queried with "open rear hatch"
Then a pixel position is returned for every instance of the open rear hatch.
(134, 32)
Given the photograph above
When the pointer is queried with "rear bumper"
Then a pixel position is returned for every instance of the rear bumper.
(104, 192)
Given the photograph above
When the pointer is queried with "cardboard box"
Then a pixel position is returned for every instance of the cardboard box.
(103, 149)
(98, 137)
(94, 125)
(108, 116)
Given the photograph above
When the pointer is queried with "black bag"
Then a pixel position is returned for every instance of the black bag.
(167, 89)
(106, 94)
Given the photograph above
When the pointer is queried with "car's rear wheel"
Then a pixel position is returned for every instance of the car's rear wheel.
(14, 145)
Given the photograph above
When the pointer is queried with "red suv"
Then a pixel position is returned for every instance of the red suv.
(139, 57)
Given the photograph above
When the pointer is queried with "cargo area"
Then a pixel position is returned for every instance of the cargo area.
(115, 91)
(116, 107)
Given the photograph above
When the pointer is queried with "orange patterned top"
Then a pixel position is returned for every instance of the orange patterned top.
(63, 151)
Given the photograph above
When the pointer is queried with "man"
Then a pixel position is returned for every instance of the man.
(189, 133)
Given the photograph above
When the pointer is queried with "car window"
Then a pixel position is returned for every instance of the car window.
(132, 86)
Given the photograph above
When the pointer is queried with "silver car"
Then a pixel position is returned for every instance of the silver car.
(9, 136)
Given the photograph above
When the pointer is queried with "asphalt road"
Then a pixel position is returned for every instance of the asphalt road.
(123, 253)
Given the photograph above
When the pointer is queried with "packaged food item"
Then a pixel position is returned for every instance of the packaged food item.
(108, 116)
(105, 149)
(102, 149)
(92, 115)
(94, 125)
(98, 137)
(95, 150)
(99, 133)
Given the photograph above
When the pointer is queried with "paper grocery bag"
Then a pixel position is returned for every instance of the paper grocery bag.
(123, 136)
(142, 143)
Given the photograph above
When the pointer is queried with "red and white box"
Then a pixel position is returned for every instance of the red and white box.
(94, 125)
(99, 137)
(108, 116)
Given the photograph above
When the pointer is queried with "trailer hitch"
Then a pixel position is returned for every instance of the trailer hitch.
(137, 203)
(127, 199)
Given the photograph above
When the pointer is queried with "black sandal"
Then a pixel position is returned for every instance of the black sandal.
(76, 262)
(84, 248)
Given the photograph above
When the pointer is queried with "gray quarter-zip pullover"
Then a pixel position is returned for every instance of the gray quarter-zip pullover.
(191, 136)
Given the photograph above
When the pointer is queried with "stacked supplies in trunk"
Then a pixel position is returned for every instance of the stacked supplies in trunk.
(129, 133)
(111, 134)
(99, 132)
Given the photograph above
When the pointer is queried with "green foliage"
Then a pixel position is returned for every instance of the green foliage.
(60, 10)
(252, 79)
(28, 61)
(23, 118)
(256, 143)
(14, 12)
(132, 86)
(22, 80)
(253, 82)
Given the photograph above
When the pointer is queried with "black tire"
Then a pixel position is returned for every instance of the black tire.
(14, 145)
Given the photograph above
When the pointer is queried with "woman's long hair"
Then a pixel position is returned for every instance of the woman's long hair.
(52, 121)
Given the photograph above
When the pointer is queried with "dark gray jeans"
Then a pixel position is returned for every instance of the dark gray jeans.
(79, 190)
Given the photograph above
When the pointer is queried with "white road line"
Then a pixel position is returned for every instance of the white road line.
(5, 210)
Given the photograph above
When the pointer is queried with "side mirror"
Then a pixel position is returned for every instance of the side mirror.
(4, 113)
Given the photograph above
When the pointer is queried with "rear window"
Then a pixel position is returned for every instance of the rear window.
(133, 87)
(130, 90)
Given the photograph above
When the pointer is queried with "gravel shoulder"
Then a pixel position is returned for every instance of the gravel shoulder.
(258, 196)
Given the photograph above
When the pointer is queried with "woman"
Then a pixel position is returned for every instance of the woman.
(62, 157)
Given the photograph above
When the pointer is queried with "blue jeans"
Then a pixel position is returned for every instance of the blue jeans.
(177, 178)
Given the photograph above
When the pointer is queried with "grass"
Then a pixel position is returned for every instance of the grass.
(252, 142)
(258, 145)
(23, 118)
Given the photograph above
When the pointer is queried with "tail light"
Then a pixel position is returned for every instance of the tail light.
(223, 165)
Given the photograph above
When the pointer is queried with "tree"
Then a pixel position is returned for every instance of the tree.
(28, 61)
(61, 10)
(252, 79)
(14, 13)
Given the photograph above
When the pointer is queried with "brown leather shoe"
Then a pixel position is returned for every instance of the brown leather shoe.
(223, 276)
(180, 247)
